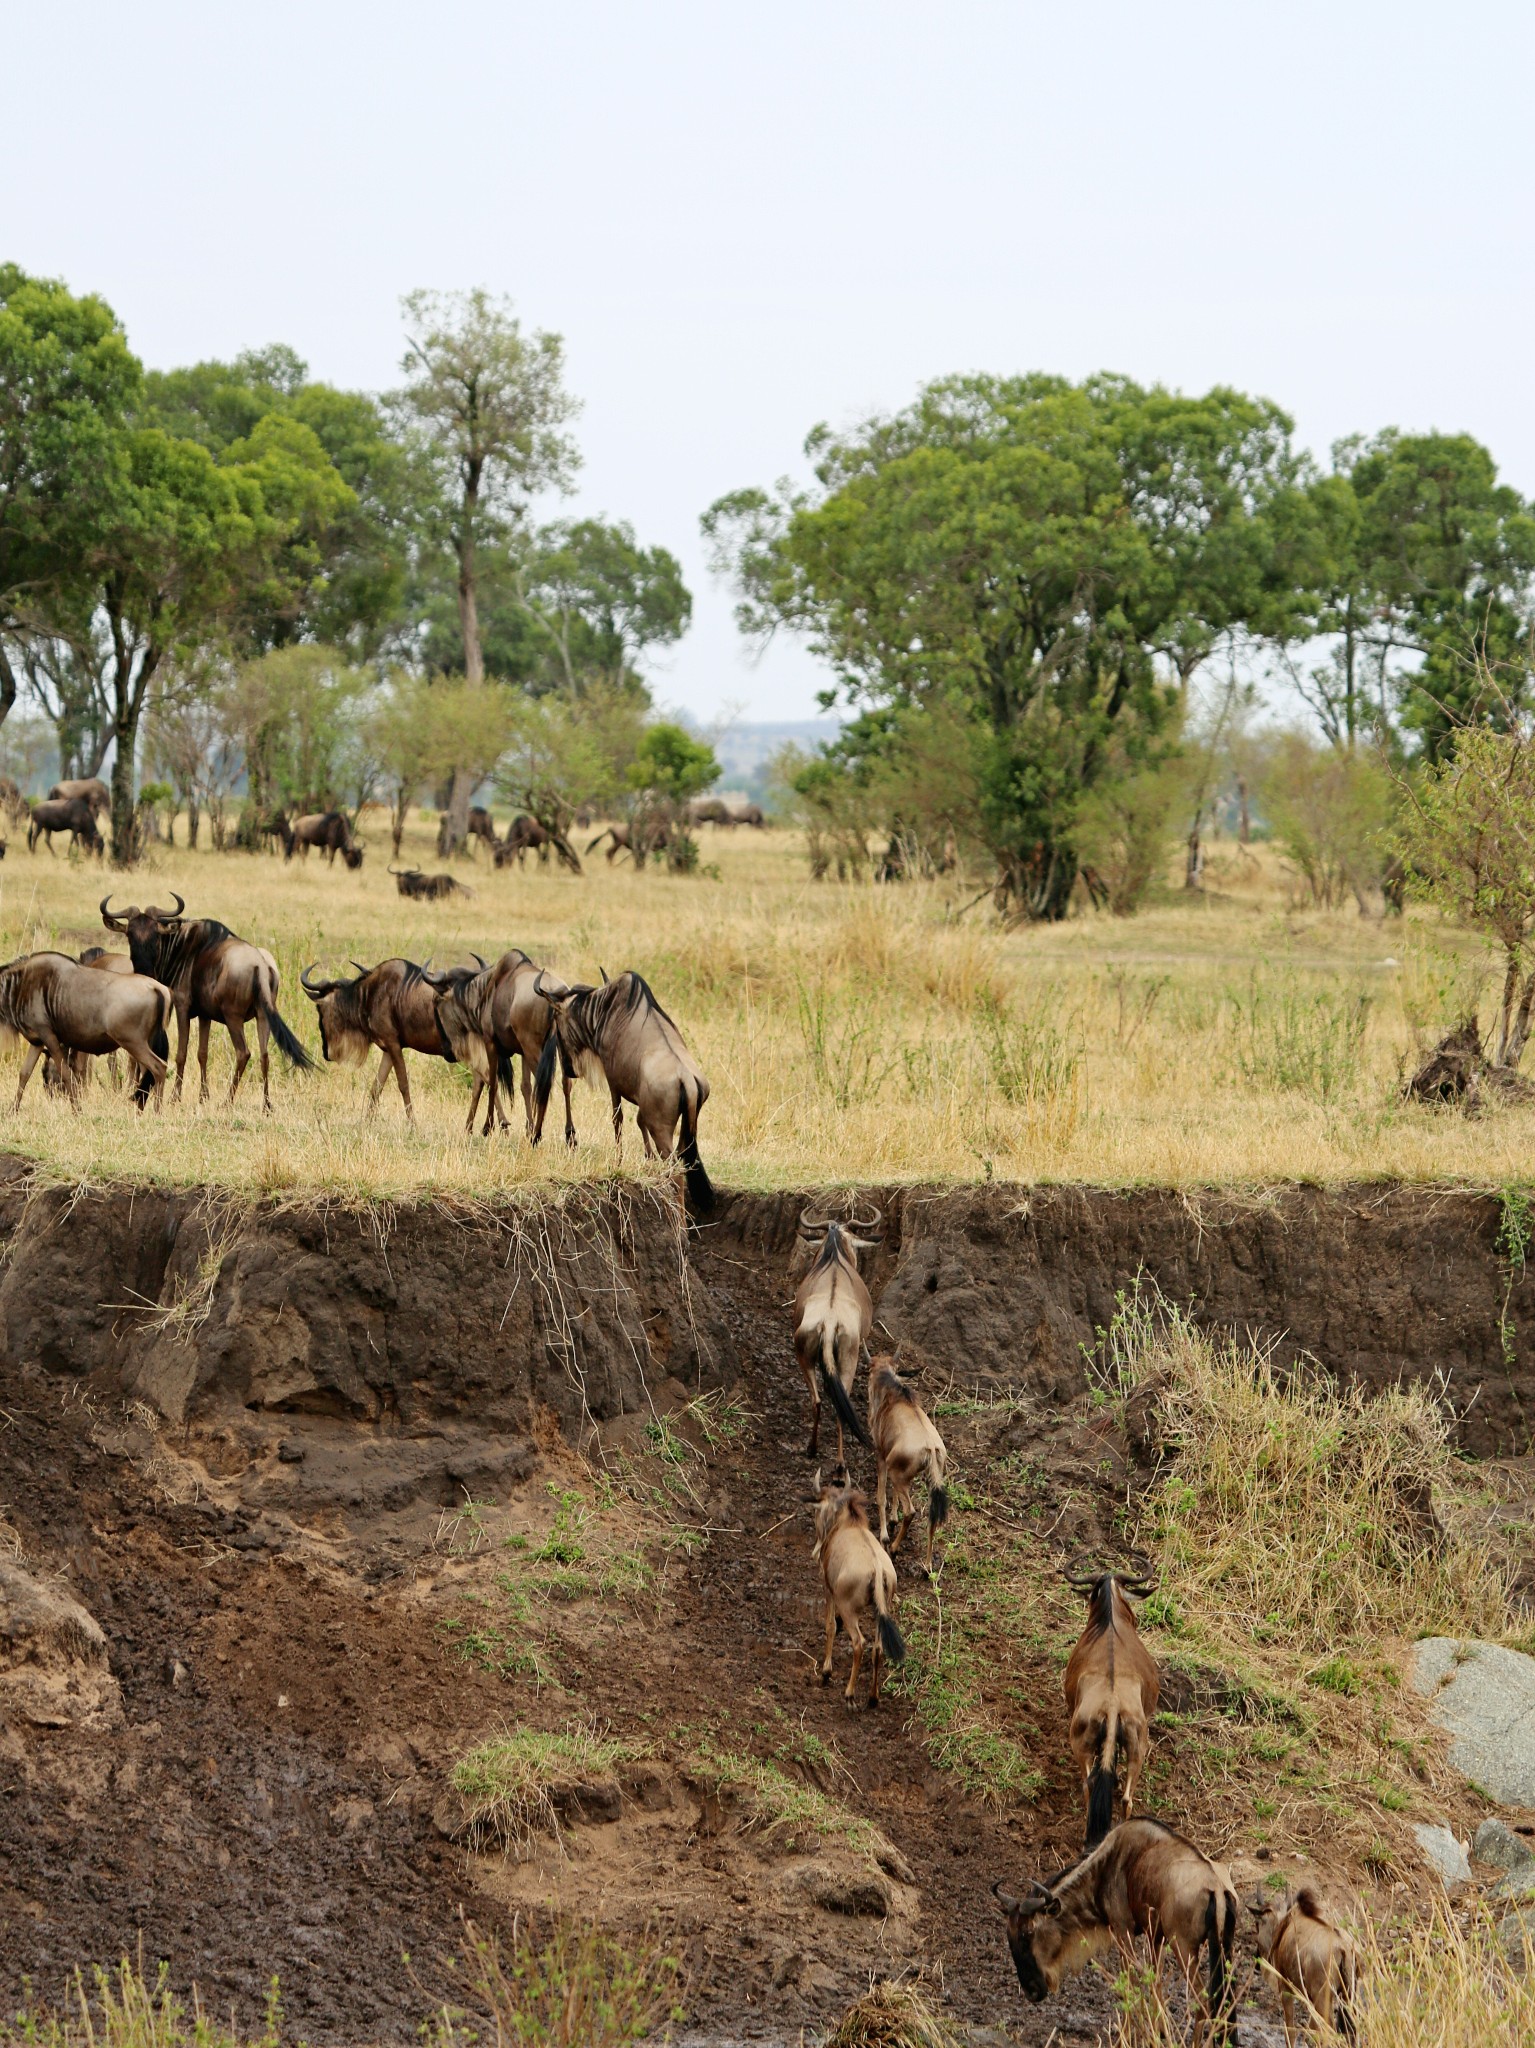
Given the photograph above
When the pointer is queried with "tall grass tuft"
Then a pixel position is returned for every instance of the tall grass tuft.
(509, 1783)
(126, 2009)
(1447, 1983)
(1308, 1042)
(578, 1988)
(892, 2016)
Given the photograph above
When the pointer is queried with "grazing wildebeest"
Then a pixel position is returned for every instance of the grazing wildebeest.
(524, 833)
(482, 825)
(833, 1315)
(427, 888)
(278, 827)
(1111, 1688)
(71, 814)
(330, 832)
(708, 810)
(1313, 1958)
(620, 1032)
(214, 976)
(859, 1580)
(656, 838)
(68, 1011)
(490, 1020)
(747, 814)
(95, 792)
(392, 1006)
(907, 1447)
(1141, 1880)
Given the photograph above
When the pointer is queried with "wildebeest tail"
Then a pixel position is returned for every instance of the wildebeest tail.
(543, 1078)
(504, 1071)
(891, 1641)
(700, 1188)
(836, 1393)
(1220, 1933)
(1102, 1786)
(289, 1046)
(937, 1508)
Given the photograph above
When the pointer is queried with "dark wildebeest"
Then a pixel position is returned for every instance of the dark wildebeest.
(68, 1011)
(1141, 1880)
(95, 792)
(427, 888)
(482, 825)
(214, 976)
(656, 839)
(833, 1315)
(709, 810)
(620, 1033)
(747, 814)
(524, 833)
(859, 1580)
(330, 832)
(490, 1020)
(71, 814)
(1111, 1688)
(1313, 1958)
(907, 1447)
(392, 1006)
(277, 827)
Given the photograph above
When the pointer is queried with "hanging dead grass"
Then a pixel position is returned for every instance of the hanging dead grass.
(892, 2016)
(1445, 1982)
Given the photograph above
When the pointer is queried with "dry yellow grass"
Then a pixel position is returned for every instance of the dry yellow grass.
(848, 1032)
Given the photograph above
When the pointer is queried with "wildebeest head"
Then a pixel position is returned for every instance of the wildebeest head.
(144, 929)
(825, 1237)
(1095, 1582)
(1035, 1937)
(352, 855)
(338, 1011)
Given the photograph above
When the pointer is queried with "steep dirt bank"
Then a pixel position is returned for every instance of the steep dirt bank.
(306, 1469)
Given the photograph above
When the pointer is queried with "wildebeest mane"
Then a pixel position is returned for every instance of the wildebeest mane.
(1072, 1870)
(176, 952)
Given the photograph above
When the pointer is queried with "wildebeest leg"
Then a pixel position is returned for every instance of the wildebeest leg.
(831, 1639)
(874, 1667)
(242, 1060)
(403, 1078)
(183, 1039)
(204, 1026)
(815, 1400)
(1135, 1761)
(855, 1633)
(618, 1119)
(34, 1054)
(266, 1063)
(879, 1496)
(569, 1082)
(385, 1069)
(474, 1103)
(149, 1062)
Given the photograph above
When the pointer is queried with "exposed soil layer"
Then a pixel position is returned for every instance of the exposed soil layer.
(242, 1440)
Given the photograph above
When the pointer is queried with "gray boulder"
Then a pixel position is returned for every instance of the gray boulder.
(1484, 1697)
(1443, 1854)
(1495, 1843)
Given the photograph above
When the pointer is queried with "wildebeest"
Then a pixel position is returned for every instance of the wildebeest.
(859, 1580)
(833, 1315)
(708, 810)
(907, 1447)
(1141, 1880)
(655, 838)
(427, 888)
(71, 814)
(277, 827)
(496, 1016)
(525, 834)
(1111, 1688)
(216, 977)
(330, 832)
(1313, 1958)
(67, 1011)
(748, 814)
(620, 1032)
(91, 787)
(392, 1006)
(482, 825)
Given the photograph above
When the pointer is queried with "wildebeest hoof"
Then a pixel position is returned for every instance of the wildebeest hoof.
(873, 1702)
(826, 1678)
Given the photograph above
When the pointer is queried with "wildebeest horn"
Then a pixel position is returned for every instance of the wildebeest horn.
(114, 920)
(604, 973)
(313, 988)
(176, 915)
(812, 1226)
(363, 970)
(477, 958)
(816, 1482)
(875, 1218)
(1005, 1899)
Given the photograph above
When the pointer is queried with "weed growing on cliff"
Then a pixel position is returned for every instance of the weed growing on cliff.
(510, 1785)
(124, 2008)
(1516, 1224)
(576, 1988)
(781, 1803)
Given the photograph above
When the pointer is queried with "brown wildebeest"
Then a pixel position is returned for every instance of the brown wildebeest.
(748, 814)
(525, 834)
(656, 838)
(427, 888)
(708, 810)
(71, 814)
(907, 1447)
(330, 832)
(1111, 1688)
(620, 1031)
(277, 827)
(95, 792)
(495, 1017)
(1141, 1880)
(859, 1580)
(482, 825)
(216, 977)
(65, 1010)
(392, 1006)
(833, 1315)
(1313, 1958)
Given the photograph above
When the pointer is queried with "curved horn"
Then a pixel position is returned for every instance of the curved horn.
(114, 920)
(477, 957)
(1004, 1899)
(876, 1218)
(392, 870)
(314, 988)
(604, 973)
(360, 968)
(538, 985)
(181, 904)
(812, 1226)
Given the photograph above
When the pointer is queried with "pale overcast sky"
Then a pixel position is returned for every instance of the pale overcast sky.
(747, 220)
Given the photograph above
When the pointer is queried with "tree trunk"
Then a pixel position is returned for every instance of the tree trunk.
(124, 815)
(7, 684)
(194, 818)
(1244, 820)
(1504, 1038)
(1193, 863)
(1519, 1031)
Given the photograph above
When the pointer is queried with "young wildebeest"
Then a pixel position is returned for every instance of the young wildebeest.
(214, 976)
(392, 1006)
(65, 1010)
(620, 1033)
(1313, 1958)
(859, 1579)
(833, 1315)
(427, 888)
(71, 814)
(497, 1016)
(330, 832)
(1111, 1688)
(907, 1447)
(1140, 1880)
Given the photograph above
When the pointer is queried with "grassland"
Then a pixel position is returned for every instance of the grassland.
(849, 1032)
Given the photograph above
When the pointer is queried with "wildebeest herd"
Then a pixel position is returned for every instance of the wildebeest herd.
(1137, 1880)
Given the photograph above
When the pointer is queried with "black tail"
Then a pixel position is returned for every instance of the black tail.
(504, 1073)
(287, 1044)
(891, 1641)
(1101, 1787)
(847, 1414)
(937, 1509)
(1221, 1940)
(700, 1188)
(543, 1079)
(160, 1045)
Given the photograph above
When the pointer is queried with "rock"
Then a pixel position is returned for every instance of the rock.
(1495, 1843)
(1484, 1696)
(1519, 1884)
(54, 1669)
(1516, 1931)
(1443, 1854)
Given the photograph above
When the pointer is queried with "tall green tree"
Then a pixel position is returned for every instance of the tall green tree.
(485, 409)
(1059, 557)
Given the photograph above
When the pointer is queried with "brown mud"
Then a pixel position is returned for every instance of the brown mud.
(292, 1461)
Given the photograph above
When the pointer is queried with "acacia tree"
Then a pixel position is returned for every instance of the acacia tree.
(484, 408)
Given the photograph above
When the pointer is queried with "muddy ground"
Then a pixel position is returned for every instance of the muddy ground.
(301, 1481)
